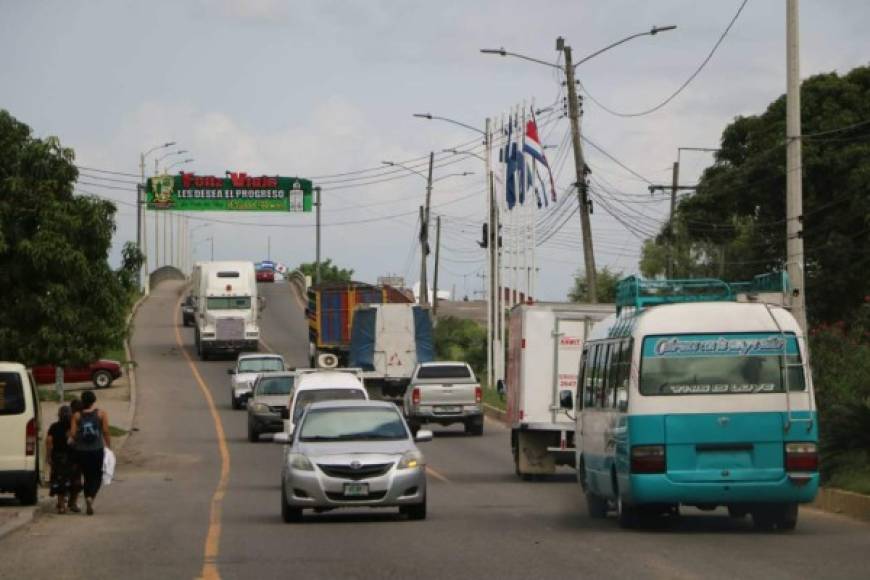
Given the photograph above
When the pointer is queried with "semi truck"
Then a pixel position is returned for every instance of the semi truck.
(330, 313)
(387, 341)
(227, 308)
(544, 349)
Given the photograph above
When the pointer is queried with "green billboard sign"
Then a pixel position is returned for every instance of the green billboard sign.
(234, 192)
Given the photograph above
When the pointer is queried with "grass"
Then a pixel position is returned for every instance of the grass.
(116, 431)
(492, 398)
(852, 473)
(118, 354)
(49, 394)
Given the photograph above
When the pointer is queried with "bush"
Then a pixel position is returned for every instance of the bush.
(841, 364)
(465, 340)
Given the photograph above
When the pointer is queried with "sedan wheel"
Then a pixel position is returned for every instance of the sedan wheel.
(101, 379)
(416, 511)
(289, 514)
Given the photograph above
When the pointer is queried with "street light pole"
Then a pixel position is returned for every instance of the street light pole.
(141, 241)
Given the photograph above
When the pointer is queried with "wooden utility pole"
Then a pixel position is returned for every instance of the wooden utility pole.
(580, 168)
(675, 184)
(435, 275)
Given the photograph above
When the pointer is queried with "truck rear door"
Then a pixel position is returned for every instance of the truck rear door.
(570, 334)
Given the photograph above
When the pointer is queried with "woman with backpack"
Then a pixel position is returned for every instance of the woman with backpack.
(90, 435)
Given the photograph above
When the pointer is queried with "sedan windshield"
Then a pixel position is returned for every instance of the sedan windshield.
(353, 424)
(260, 365)
(275, 386)
(305, 398)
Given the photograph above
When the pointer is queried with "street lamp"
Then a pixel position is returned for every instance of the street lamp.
(181, 162)
(170, 154)
(579, 163)
(142, 275)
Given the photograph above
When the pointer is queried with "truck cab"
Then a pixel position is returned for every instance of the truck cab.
(227, 308)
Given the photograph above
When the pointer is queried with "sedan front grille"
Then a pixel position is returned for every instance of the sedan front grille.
(373, 496)
(355, 473)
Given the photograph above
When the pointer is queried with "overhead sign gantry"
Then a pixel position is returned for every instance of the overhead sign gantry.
(233, 192)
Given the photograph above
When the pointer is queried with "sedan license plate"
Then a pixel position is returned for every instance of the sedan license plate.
(356, 489)
(448, 409)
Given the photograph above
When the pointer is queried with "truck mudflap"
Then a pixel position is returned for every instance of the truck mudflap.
(538, 452)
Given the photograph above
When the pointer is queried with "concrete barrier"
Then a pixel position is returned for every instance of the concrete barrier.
(848, 503)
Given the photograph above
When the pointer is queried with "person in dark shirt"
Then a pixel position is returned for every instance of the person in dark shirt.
(60, 457)
(76, 476)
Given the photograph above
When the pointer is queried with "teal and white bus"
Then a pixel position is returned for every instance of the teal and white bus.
(690, 397)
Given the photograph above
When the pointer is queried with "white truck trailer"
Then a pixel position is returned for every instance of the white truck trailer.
(544, 350)
(227, 308)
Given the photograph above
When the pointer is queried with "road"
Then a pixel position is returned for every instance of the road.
(170, 516)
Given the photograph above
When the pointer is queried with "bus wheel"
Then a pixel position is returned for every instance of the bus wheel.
(626, 515)
(780, 516)
(596, 506)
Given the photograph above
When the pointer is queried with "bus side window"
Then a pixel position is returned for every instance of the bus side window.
(580, 395)
(613, 369)
(622, 375)
(589, 377)
(601, 376)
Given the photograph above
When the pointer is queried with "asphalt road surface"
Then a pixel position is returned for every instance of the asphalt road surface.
(175, 514)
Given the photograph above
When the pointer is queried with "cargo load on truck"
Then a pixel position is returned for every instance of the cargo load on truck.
(544, 350)
(387, 342)
(330, 312)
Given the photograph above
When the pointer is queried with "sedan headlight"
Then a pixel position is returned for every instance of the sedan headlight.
(411, 459)
(300, 462)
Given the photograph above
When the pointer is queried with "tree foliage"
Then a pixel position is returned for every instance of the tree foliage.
(460, 339)
(329, 272)
(61, 302)
(606, 286)
(734, 225)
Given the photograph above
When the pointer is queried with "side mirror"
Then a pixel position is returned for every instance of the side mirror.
(566, 399)
(281, 437)
(622, 399)
(231, 371)
(499, 387)
(423, 435)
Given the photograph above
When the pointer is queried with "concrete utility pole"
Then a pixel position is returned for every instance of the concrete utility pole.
(317, 204)
(794, 171)
(424, 235)
(580, 168)
(435, 275)
(675, 184)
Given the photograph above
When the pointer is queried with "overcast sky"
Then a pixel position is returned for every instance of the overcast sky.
(326, 87)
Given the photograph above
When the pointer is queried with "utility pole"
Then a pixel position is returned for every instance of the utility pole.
(794, 171)
(435, 275)
(317, 204)
(491, 235)
(424, 235)
(675, 184)
(580, 168)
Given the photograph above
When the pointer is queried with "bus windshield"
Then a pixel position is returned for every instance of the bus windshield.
(714, 364)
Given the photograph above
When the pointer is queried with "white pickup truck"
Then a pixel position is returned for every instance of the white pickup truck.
(444, 393)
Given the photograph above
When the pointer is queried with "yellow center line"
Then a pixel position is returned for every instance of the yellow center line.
(212, 539)
(436, 475)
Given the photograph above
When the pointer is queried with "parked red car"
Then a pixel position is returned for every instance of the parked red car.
(101, 373)
(265, 275)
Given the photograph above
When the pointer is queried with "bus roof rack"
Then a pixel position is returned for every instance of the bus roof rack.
(638, 293)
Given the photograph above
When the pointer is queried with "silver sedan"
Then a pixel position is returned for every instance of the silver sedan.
(352, 454)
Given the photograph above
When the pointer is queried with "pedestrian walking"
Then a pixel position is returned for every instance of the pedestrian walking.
(90, 433)
(75, 487)
(59, 455)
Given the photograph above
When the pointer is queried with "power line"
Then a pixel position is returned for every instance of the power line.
(682, 86)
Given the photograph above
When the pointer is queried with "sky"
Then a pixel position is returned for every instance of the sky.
(327, 90)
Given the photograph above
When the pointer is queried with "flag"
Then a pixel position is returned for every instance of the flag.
(532, 146)
(510, 160)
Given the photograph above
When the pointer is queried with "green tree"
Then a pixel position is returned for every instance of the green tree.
(459, 339)
(329, 272)
(607, 280)
(734, 225)
(61, 302)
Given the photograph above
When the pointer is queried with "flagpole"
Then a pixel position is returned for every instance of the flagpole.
(502, 258)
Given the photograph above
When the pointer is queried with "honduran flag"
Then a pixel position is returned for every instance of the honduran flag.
(532, 147)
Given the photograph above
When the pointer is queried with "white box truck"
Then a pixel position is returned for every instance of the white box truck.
(544, 349)
(387, 341)
(227, 308)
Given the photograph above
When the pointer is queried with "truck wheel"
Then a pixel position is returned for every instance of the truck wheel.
(474, 427)
(520, 474)
(596, 505)
(102, 379)
(626, 515)
(253, 434)
(29, 493)
(780, 516)
(235, 403)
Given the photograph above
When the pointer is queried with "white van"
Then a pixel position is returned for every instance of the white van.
(321, 385)
(19, 433)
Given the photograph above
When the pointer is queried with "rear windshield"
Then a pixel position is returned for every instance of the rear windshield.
(260, 365)
(714, 364)
(444, 372)
(276, 386)
(11, 394)
(305, 398)
(229, 303)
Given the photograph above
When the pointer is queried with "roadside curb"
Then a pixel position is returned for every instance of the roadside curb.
(495, 413)
(22, 517)
(847, 503)
(131, 375)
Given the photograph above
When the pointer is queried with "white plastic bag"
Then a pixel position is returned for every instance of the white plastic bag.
(108, 466)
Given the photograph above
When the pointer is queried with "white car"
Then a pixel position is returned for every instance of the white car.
(322, 385)
(244, 374)
(19, 433)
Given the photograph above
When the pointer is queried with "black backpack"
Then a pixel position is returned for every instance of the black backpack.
(90, 429)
